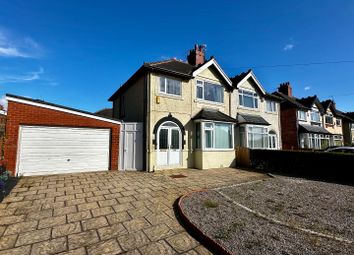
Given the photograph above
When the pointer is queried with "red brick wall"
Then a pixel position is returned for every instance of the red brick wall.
(23, 114)
(289, 130)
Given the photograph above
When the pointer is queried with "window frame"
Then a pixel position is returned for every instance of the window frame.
(255, 98)
(340, 122)
(200, 83)
(329, 116)
(270, 137)
(272, 103)
(203, 128)
(319, 116)
(165, 86)
(299, 115)
(248, 133)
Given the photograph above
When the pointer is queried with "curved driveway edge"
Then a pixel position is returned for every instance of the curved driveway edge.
(190, 226)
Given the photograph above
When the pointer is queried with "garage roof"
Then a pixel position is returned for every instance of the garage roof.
(57, 107)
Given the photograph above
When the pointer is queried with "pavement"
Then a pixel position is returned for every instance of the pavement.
(108, 212)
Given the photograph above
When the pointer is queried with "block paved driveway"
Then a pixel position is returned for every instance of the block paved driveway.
(104, 212)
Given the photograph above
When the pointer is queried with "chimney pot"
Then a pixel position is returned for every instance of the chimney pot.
(286, 89)
(196, 56)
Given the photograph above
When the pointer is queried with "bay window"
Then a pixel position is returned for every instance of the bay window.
(170, 86)
(257, 137)
(210, 91)
(248, 99)
(214, 135)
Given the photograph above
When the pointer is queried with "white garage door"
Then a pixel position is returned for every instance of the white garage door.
(54, 150)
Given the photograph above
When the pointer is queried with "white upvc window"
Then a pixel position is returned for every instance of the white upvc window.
(257, 137)
(170, 86)
(271, 106)
(273, 141)
(248, 99)
(302, 115)
(215, 136)
(209, 91)
(315, 116)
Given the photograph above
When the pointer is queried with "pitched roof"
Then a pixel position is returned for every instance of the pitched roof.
(251, 119)
(235, 80)
(307, 101)
(212, 114)
(106, 112)
(350, 115)
(326, 104)
(273, 97)
(291, 100)
(172, 65)
(43, 103)
(244, 76)
(312, 129)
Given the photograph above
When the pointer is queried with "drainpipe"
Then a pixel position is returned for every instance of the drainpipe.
(147, 122)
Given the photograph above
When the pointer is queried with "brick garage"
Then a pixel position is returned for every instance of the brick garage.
(28, 112)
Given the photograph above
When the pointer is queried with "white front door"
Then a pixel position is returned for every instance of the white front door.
(169, 144)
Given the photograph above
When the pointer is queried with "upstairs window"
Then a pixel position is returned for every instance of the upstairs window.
(248, 99)
(315, 117)
(338, 122)
(271, 106)
(210, 91)
(170, 86)
(302, 115)
(329, 119)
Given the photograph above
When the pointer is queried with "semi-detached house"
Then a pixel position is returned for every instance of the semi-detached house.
(194, 115)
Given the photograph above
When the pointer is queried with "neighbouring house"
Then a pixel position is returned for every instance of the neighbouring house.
(349, 129)
(185, 111)
(257, 113)
(333, 123)
(308, 123)
(301, 121)
(46, 138)
(106, 112)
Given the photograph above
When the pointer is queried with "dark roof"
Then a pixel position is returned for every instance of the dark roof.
(307, 101)
(57, 105)
(251, 119)
(348, 116)
(211, 114)
(312, 129)
(172, 65)
(290, 100)
(106, 112)
(235, 80)
(273, 97)
(326, 104)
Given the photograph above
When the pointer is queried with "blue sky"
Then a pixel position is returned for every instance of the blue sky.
(77, 53)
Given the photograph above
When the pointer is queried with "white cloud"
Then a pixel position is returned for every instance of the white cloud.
(307, 88)
(10, 46)
(30, 76)
(3, 102)
(288, 47)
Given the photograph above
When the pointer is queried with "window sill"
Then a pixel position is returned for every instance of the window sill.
(274, 113)
(170, 96)
(208, 102)
(214, 150)
(248, 108)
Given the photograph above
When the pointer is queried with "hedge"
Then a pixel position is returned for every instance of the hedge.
(318, 165)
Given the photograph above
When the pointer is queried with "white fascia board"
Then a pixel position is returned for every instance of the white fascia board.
(207, 65)
(251, 74)
(60, 109)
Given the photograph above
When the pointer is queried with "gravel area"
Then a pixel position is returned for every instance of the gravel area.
(323, 207)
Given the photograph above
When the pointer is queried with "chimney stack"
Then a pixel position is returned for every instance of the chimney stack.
(286, 89)
(196, 56)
